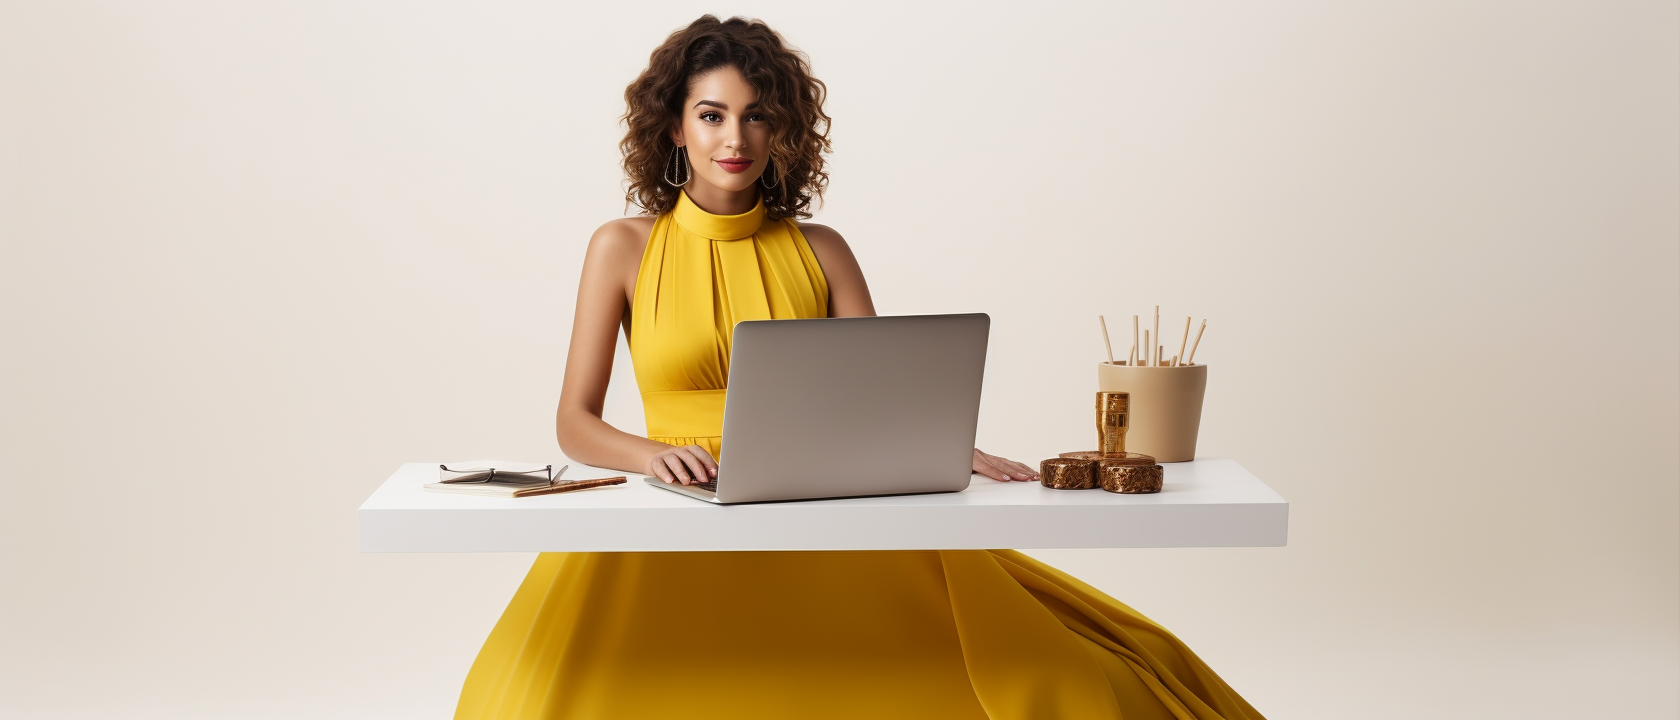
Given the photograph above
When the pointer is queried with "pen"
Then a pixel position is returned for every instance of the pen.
(570, 486)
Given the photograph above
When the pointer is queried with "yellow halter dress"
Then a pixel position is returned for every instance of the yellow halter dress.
(882, 635)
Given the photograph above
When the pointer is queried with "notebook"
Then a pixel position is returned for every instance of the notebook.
(500, 478)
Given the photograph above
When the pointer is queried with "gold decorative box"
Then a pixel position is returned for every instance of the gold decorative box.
(1129, 479)
(1068, 473)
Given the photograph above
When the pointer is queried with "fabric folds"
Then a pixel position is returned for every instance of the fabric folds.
(883, 635)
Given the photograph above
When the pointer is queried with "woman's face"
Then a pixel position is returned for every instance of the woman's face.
(726, 136)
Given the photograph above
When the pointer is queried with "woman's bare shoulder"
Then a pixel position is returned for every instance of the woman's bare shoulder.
(824, 232)
(623, 234)
(616, 249)
(824, 240)
(621, 239)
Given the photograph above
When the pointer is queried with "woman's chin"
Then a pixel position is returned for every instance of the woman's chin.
(730, 183)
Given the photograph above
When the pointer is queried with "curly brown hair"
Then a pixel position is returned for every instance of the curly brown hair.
(789, 97)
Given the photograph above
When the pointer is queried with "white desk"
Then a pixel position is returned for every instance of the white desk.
(1211, 502)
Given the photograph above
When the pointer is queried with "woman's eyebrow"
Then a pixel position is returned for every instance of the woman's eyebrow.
(719, 105)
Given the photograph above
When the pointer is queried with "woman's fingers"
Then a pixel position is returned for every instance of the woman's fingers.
(678, 469)
(705, 459)
(690, 462)
(687, 464)
(1009, 469)
(984, 466)
(1020, 470)
(657, 467)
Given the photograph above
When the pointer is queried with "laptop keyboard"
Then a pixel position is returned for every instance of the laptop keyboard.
(709, 485)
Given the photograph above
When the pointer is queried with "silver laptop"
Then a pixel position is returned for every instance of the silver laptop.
(846, 407)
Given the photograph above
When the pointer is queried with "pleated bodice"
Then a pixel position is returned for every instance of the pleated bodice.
(700, 274)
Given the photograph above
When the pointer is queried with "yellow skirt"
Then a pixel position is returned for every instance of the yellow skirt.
(876, 635)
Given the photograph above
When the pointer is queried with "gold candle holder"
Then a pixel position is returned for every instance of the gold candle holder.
(1113, 412)
(1067, 474)
(1129, 479)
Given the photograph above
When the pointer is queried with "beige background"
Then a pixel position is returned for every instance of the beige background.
(258, 254)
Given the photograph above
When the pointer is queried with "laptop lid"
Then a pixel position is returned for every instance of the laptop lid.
(843, 407)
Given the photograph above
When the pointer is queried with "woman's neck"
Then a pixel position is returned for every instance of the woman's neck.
(718, 201)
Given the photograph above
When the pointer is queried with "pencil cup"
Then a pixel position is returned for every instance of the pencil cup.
(1165, 407)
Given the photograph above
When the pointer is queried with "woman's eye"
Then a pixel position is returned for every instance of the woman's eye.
(714, 117)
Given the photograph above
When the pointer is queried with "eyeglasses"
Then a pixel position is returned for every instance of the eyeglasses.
(509, 475)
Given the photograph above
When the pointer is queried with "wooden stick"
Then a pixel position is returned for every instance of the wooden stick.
(1155, 358)
(1146, 345)
(1181, 340)
(1192, 360)
(1160, 350)
(1110, 348)
(1133, 360)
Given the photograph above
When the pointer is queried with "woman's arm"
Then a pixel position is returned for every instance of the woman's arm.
(848, 294)
(601, 306)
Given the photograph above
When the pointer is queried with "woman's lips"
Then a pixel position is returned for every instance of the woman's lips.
(734, 166)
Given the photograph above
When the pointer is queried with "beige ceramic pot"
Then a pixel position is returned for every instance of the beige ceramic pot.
(1166, 407)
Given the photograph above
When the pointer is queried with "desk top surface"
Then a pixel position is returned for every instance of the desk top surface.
(1205, 503)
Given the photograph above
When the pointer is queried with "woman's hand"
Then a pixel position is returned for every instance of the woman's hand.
(687, 464)
(1001, 469)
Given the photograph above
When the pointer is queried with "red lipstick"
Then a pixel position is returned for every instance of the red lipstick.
(735, 165)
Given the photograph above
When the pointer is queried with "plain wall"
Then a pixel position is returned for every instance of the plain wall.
(256, 255)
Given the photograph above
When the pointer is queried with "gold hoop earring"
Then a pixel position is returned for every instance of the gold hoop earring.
(679, 158)
(767, 173)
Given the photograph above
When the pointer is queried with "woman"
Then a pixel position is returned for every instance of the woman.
(726, 131)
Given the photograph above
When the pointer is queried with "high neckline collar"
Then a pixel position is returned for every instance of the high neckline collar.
(717, 227)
